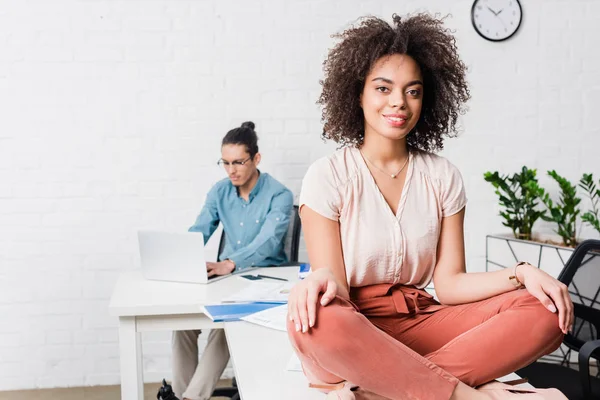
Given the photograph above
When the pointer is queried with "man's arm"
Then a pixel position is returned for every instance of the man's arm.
(208, 220)
(271, 233)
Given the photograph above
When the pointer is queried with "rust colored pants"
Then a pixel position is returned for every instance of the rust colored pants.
(398, 342)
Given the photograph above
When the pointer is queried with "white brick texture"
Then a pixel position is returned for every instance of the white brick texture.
(112, 112)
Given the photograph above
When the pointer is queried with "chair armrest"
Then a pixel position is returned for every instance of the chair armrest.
(585, 354)
(574, 262)
(592, 315)
(585, 313)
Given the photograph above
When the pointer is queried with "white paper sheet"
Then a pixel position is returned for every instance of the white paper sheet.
(270, 291)
(294, 363)
(274, 318)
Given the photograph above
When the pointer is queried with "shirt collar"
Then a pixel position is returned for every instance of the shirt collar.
(259, 184)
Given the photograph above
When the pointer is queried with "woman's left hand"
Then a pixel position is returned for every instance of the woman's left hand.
(553, 294)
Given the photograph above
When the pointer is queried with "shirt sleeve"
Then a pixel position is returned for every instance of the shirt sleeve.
(454, 197)
(320, 190)
(271, 233)
(208, 220)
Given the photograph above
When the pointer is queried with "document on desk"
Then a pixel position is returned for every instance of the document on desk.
(236, 311)
(294, 363)
(262, 291)
(274, 318)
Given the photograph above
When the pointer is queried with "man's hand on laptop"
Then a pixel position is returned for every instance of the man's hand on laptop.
(220, 268)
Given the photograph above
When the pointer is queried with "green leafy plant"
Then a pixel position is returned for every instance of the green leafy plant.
(518, 196)
(591, 216)
(564, 212)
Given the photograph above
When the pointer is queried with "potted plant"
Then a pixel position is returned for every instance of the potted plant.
(521, 198)
(591, 216)
(564, 212)
(518, 196)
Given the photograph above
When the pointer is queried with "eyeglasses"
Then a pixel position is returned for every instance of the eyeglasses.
(235, 164)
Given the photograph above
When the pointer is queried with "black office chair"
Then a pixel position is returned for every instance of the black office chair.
(582, 275)
(291, 246)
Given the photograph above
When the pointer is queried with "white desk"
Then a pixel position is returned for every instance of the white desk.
(260, 355)
(143, 305)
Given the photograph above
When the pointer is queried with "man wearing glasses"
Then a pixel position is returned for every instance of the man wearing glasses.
(254, 209)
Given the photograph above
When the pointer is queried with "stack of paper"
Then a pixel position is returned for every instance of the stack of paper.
(263, 292)
(274, 318)
(254, 298)
(294, 363)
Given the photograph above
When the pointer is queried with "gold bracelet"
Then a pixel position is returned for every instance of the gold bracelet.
(514, 279)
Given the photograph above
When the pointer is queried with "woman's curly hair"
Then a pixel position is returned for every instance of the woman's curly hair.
(421, 37)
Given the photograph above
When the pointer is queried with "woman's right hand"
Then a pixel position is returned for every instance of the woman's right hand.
(302, 301)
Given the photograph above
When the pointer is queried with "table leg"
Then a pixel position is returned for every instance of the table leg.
(130, 347)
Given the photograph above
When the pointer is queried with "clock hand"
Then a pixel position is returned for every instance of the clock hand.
(493, 12)
(500, 19)
(499, 12)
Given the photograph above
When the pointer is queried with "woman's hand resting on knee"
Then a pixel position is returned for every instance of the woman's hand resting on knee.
(302, 301)
(552, 293)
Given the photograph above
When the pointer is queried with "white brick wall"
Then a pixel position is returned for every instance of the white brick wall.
(111, 117)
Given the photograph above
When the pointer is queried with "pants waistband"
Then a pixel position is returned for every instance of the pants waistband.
(387, 299)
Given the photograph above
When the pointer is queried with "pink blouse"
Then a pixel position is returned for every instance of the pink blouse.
(378, 246)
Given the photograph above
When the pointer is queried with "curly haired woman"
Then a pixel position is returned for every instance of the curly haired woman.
(383, 216)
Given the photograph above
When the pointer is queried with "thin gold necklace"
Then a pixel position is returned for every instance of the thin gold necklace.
(393, 176)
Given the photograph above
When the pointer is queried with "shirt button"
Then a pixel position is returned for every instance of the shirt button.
(241, 224)
(397, 274)
(257, 221)
(277, 219)
(239, 242)
(244, 206)
(252, 263)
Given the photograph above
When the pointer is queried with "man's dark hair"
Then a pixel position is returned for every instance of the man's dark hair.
(245, 135)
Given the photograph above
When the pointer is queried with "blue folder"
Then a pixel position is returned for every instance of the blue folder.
(235, 311)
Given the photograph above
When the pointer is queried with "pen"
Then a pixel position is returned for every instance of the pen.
(271, 277)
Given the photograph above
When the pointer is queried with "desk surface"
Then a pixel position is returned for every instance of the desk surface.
(135, 296)
(260, 357)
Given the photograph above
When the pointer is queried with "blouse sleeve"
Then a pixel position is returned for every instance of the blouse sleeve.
(454, 197)
(320, 190)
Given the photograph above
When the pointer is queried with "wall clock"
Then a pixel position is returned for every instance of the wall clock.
(496, 20)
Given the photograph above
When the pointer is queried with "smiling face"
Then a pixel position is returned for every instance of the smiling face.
(392, 97)
(238, 164)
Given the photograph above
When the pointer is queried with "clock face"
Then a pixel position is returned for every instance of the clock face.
(496, 20)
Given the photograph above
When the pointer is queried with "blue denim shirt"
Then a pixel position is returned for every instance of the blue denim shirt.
(254, 229)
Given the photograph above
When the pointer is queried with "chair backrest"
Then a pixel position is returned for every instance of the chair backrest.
(291, 239)
(582, 275)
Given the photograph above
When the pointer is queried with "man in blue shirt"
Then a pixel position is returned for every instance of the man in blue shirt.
(254, 209)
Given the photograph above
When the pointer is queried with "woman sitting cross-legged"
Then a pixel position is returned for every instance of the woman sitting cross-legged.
(383, 216)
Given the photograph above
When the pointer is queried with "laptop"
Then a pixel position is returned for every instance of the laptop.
(174, 256)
